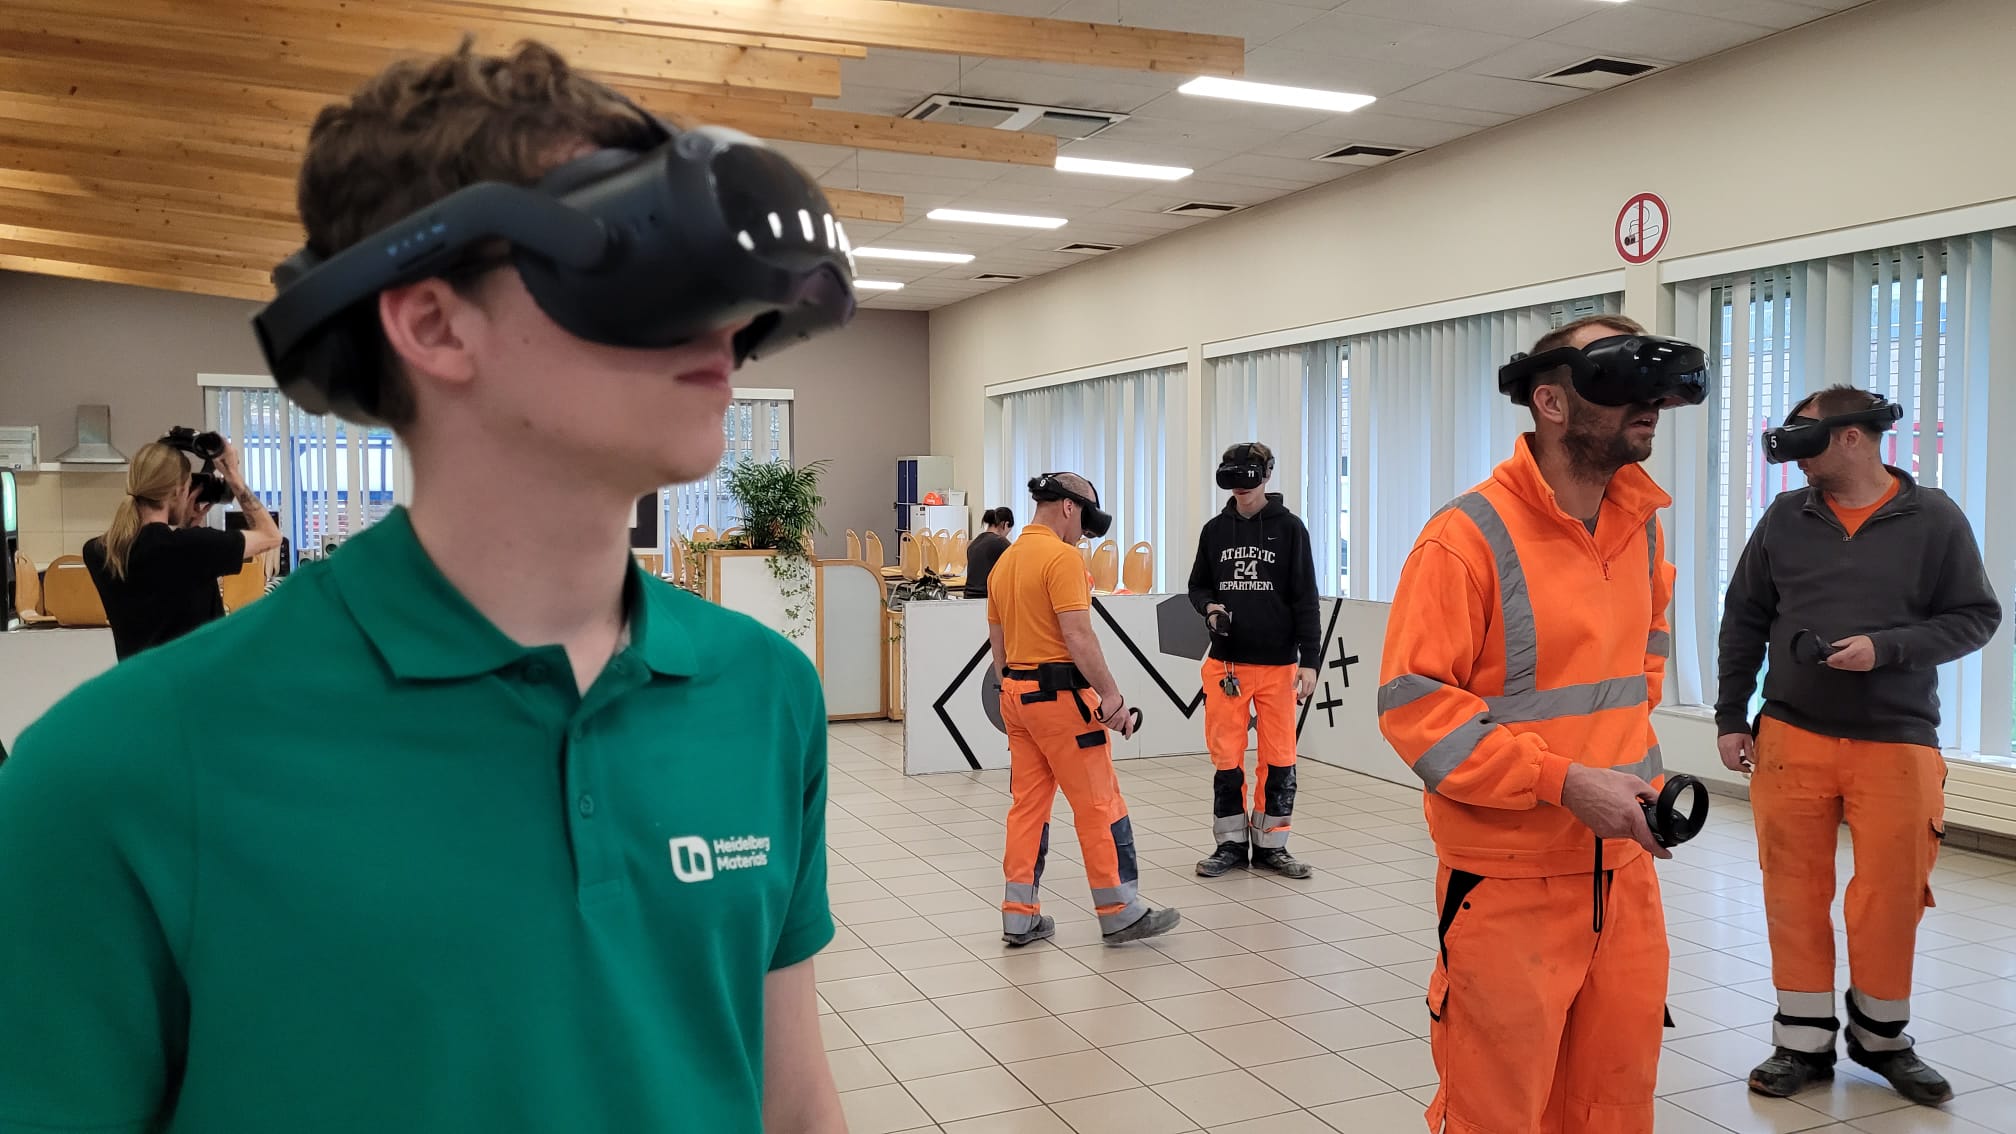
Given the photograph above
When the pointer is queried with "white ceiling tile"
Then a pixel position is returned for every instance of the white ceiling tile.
(873, 100)
(1253, 20)
(1377, 129)
(1775, 14)
(1283, 62)
(1503, 17)
(1634, 29)
(1465, 91)
(1529, 59)
(900, 70)
(1435, 112)
(1400, 41)
(1253, 168)
(1106, 147)
(1229, 113)
(814, 159)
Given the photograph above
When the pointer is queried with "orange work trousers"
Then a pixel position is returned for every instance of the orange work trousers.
(1893, 798)
(1055, 744)
(1538, 1021)
(1266, 699)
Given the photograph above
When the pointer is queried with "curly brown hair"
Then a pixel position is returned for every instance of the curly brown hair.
(424, 128)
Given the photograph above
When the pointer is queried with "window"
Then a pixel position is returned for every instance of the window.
(1911, 323)
(1287, 398)
(1423, 403)
(757, 429)
(1117, 432)
(324, 479)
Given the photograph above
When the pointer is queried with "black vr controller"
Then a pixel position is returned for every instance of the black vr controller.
(1049, 487)
(1621, 370)
(205, 447)
(1671, 826)
(1811, 648)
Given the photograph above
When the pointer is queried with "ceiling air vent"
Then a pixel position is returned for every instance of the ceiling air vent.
(1361, 153)
(1068, 122)
(1599, 73)
(1203, 209)
(997, 277)
(1088, 248)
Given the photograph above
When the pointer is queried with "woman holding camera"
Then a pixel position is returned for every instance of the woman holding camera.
(157, 574)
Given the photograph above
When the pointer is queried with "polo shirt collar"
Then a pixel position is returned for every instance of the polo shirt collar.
(426, 630)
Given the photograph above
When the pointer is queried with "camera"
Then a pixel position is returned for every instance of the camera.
(205, 447)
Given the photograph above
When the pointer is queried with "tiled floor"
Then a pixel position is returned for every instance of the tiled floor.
(1295, 1007)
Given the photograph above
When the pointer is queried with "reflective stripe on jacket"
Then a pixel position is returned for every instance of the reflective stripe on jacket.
(1518, 644)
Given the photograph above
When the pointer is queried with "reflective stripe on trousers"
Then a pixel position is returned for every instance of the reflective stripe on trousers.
(1521, 701)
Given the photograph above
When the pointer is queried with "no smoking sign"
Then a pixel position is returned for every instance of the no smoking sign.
(1641, 228)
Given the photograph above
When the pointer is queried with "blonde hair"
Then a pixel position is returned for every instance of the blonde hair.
(156, 474)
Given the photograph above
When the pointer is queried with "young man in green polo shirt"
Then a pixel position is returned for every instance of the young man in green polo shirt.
(437, 837)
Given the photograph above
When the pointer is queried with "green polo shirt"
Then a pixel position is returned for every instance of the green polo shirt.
(353, 861)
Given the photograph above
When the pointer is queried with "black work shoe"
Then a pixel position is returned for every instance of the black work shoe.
(1278, 860)
(1154, 923)
(1228, 856)
(1906, 1072)
(1788, 1072)
(1046, 927)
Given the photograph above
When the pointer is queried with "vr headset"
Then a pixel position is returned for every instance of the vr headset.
(1244, 468)
(1804, 438)
(1047, 487)
(205, 447)
(1621, 370)
(708, 228)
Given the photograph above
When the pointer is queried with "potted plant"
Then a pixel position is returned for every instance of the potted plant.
(780, 511)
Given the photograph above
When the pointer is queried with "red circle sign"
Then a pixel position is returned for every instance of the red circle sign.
(1641, 227)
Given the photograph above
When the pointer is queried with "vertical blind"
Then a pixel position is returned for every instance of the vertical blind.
(1116, 432)
(756, 430)
(325, 478)
(1911, 323)
(1288, 399)
(1422, 405)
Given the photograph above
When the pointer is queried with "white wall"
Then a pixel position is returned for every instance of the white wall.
(1873, 114)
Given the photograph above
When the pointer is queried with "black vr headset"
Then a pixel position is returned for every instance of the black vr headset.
(1804, 438)
(1244, 468)
(647, 249)
(1047, 487)
(205, 447)
(1621, 370)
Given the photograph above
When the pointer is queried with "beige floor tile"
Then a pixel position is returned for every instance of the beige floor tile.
(1139, 1111)
(868, 992)
(1346, 1029)
(1123, 1023)
(1169, 1058)
(856, 1068)
(1038, 967)
(955, 980)
(970, 1094)
(1238, 971)
(1405, 1064)
(1160, 983)
(1259, 1044)
(1369, 986)
(994, 1006)
(1077, 1075)
(1196, 945)
(1338, 928)
(1223, 1099)
(1204, 1011)
(921, 954)
(1032, 1120)
(882, 1110)
(1030, 1039)
(1392, 1111)
(1286, 998)
(1315, 960)
(837, 1034)
(1294, 1122)
(929, 1056)
(897, 1022)
(1082, 994)
(1269, 934)
(1736, 1107)
(1321, 1079)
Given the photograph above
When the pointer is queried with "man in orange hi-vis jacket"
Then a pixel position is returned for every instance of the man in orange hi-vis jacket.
(1525, 650)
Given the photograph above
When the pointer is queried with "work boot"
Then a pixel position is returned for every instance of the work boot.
(1278, 860)
(1228, 856)
(1046, 927)
(1906, 1072)
(1154, 923)
(1788, 1072)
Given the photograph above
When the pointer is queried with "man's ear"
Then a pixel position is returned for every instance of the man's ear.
(426, 325)
(1549, 402)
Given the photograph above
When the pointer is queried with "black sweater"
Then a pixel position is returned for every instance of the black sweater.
(1911, 579)
(981, 555)
(1261, 570)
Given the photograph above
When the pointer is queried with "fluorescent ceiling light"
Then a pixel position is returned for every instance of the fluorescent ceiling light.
(878, 285)
(1122, 168)
(918, 256)
(1212, 87)
(969, 216)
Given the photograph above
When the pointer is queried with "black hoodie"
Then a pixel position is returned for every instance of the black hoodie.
(1262, 570)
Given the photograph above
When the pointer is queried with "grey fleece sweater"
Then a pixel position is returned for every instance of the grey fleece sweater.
(1911, 579)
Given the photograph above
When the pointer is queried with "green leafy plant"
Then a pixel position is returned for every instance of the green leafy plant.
(780, 511)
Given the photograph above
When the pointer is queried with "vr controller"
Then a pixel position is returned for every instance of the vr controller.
(1811, 648)
(205, 447)
(1670, 826)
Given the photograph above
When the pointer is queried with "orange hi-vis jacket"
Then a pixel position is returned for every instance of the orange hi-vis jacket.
(1520, 644)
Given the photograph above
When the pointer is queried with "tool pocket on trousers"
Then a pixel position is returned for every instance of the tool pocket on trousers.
(1438, 993)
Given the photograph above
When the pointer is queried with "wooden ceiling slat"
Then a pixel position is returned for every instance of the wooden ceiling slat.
(160, 279)
(920, 27)
(133, 259)
(867, 131)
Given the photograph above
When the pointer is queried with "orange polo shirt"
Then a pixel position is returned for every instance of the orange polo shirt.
(1036, 579)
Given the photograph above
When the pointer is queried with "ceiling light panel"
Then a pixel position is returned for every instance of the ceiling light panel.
(1069, 164)
(1010, 220)
(913, 255)
(1308, 98)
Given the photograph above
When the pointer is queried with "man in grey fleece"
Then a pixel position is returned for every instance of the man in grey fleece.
(1859, 586)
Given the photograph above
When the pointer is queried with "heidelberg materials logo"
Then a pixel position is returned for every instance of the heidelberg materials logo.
(695, 859)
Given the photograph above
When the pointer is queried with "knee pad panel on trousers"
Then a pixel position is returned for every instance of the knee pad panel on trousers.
(1042, 854)
(1123, 847)
(1228, 792)
(1280, 793)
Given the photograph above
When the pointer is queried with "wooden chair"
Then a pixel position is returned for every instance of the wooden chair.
(71, 596)
(244, 588)
(1085, 550)
(1106, 567)
(1139, 572)
(912, 557)
(703, 534)
(676, 569)
(28, 592)
(957, 559)
(652, 561)
(853, 545)
(871, 548)
(733, 534)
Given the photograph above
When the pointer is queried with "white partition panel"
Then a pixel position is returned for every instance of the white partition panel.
(741, 580)
(851, 638)
(1155, 645)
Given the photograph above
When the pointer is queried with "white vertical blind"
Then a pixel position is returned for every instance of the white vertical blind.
(757, 430)
(1288, 399)
(1920, 324)
(325, 478)
(1114, 431)
(1428, 423)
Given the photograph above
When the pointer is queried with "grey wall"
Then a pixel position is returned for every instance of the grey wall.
(862, 394)
(863, 400)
